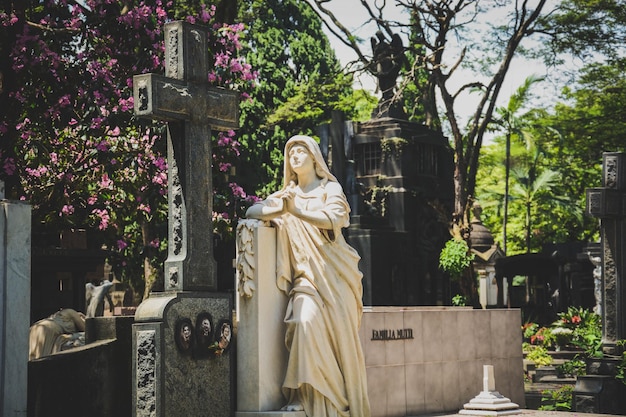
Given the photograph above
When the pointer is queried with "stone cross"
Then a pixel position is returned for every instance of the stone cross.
(191, 107)
(609, 204)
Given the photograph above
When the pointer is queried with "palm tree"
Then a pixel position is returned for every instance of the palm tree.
(534, 190)
(507, 120)
(530, 190)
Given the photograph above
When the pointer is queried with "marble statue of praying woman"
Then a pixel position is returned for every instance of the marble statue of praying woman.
(319, 271)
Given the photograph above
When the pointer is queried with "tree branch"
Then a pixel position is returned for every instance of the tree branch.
(348, 40)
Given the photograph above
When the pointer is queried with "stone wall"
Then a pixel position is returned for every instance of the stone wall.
(440, 368)
(92, 380)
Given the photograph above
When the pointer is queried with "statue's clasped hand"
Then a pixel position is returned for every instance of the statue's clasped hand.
(288, 197)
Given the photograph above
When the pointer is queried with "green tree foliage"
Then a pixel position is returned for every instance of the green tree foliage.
(555, 156)
(591, 117)
(585, 28)
(508, 121)
(455, 258)
(300, 83)
(542, 208)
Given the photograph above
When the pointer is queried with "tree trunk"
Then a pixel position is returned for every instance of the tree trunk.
(507, 174)
(469, 288)
(150, 272)
(528, 228)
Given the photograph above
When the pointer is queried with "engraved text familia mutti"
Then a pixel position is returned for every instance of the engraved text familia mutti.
(392, 334)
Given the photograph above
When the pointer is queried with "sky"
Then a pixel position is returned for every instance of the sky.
(353, 15)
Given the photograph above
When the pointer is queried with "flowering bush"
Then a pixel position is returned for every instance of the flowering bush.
(538, 336)
(562, 336)
(70, 143)
(577, 327)
(582, 327)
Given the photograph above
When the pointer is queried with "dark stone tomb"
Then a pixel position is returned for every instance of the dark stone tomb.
(403, 173)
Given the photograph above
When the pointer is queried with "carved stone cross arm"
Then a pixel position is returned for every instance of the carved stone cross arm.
(167, 99)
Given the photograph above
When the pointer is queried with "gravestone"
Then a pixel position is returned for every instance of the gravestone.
(412, 369)
(15, 241)
(599, 392)
(182, 361)
(490, 402)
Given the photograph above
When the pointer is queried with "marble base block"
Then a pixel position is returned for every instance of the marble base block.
(261, 352)
(490, 403)
(270, 414)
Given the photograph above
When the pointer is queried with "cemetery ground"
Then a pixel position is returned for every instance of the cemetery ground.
(530, 413)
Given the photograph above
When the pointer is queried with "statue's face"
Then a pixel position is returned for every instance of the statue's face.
(300, 159)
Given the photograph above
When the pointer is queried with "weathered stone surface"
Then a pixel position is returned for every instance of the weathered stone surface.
(599, 392)
(169, 382)
(184, 98)
(146, 373)
(15, 267)
(403, 171)
(92, 380)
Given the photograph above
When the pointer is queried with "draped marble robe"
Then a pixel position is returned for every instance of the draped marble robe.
(319, 271)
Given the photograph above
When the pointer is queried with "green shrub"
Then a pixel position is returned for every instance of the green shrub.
(583, 328)
(538, 354)
(459, 300)
(557, 400)
(573, 367)
(455, 258)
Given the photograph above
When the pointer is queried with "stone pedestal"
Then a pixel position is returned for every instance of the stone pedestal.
(183, 365)
(173, 378)
(261, 352)
(598, 391)
(598, 394)
(15, 251)
(490, 402)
